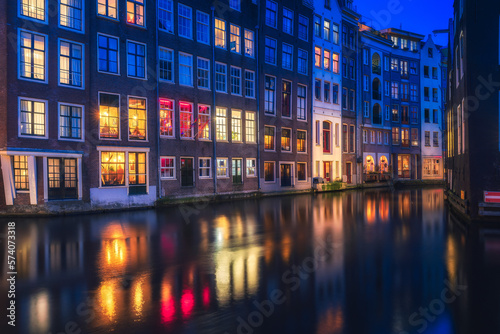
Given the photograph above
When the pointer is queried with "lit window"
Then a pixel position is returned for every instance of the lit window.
(186, 119)
(269, 171)
(301, 171)
(251, 167)
(335, 62)
(32, 56)
(301, 141)
(222, 168)
(166, 15)
(221, 124)
(34, 9)
(270, 96)
(137, 175)
(220, 77)
(21, 179)
(71, 14)
(249, 52)
(108, 54)
(137, 119)
(185, 21)
(204, 122)
(287, 57)
(235, 38)
(70, 64)
(32, 118)
(167, 167)
(220, 33)
(136, 59)
(249, 84)
(269, 138)
(109, 116)
(326, 59)
(166, 118)
(326, 30)
(70, 122)
(237, 171)
(166, 64)
(235, 80)
(112, 169)
(236, 125)
(335, 33)
(286, 140)
(250, 127)
(185, 69)
(205, 170)
(135, 12)
(203, 27)
(203, 69)
(317, 56)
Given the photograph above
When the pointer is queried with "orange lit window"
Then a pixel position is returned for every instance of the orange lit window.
(203, 122)
(137, 168)
(109, 118)
(21, 172)
(135, 12)
(113, 168)
(137, 119)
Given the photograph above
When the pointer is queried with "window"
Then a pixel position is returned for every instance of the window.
(301, 102)
(337, 135)
(136, 60)
(135, 12)
(21, 178)
(430, 53)
(270, 51)
(108, 54)
(70, 14)
(235, 4)
(186, 119)
(204, 168)
(395, 136)
(344, 98)
(251, 168)
(185, 69)
(366, 109)
(237, 170)
(426, 94)
(34, 9)
(165, 15)
(204, 123)
(434, 94)
(344, 138)
(387, 88)
(249, 52)
(220, 33)
(317, 26)
(221, 124)
(404, 115)
(352, 69)
(404, 92)
(166, 118)
(301, 171)
(270, 95)
(435, 116)
(365, 83)
(287, 21)
(271, 13)
(202, 27)
(32, 118)
(70, 64)
(365, 136)
(335, 33)
(235, 38)
(395, 90)
(414, 137)
(236, 135)
(395, 113)
(427, 138)
(413, 68)
(112, 169)
(404, 43)
(427, 116)
(187, 172)
(386, 63)
(405, 137)
(302, 62)
(387, 113)
(413, 46)
(301, 141)
(287, 57)
(235, 80)
(394, 64)
(222, 168)
(386, 138)
(303, 28)
(344, 66)
(249, 84)
(70, 121)
(404, 68)
(414, 114)
(220, 77)
(326, 91)
(203, 70)
(269, 138)
(351, 138)
(185, 17)
(326, 59)
(286, 140)
(434, 73)
(317, 89)
(395, 40)
(109, 116)
(137, 174)
(250, 127)
(317, 56)
(269, 171)
(335, 64)
(335, 94)
(137, 119)
(352, 100)
(426, 71)
(435, 139)
(286, 100)
(327, 137)
(413, 93)
(326, 30)
(32, 56)
(365, 57)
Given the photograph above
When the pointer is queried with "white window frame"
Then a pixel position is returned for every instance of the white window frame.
(291, 56)
(82, 128)
(144, 14)
(145, 60)
(220, 73)
(190, 18)
(183, 54)
(209, 123)
(238, 80)
(205, 168)
(254, 126)
(238, 38)
(172, 27)
(46, 103)
(120, 118)
(46, 54)
(274, 140)
(292, 19)
(82, 9)
(253, 84)
(254, 167)
(82, 64)
(128, 116)
(25, 17)
(207, 25)
(172, 52)
(117, 53)
(207, 70)
(249, 41)
(173, 168)
(226, 167)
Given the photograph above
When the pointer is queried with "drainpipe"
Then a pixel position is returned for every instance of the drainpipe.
(213, 112)
(158, 171)
(257, 127)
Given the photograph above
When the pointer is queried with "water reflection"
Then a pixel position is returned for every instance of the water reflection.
(151, 271)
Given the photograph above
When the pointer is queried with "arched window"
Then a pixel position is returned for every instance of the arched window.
(384, 164)
(327, 137)
(376, 64)
(370, 164)
(377, 114)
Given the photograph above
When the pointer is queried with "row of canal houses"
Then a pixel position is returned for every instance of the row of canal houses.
(117, 103)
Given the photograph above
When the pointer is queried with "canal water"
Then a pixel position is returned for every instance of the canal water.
(356, 262)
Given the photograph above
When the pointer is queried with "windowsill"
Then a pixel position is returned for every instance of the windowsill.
(187, 138)
(167, 179)
(110, 73)
(22, 191)
(167, 137)
(136, 25)
(107, 18)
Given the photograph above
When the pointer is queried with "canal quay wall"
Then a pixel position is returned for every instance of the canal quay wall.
(62, 208)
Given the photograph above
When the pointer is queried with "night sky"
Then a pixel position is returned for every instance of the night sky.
(420, 16)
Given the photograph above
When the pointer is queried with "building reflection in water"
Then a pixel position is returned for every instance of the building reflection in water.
(154, 268)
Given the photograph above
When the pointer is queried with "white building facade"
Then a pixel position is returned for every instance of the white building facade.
(327, 90)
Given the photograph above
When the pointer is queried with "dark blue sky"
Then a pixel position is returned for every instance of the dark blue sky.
(420, 16)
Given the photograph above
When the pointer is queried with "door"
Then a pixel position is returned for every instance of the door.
(327, 171)
(348, 172)
(137, 175)
(237, 171)
(187, 172)
(286, 175)
(62, 179)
